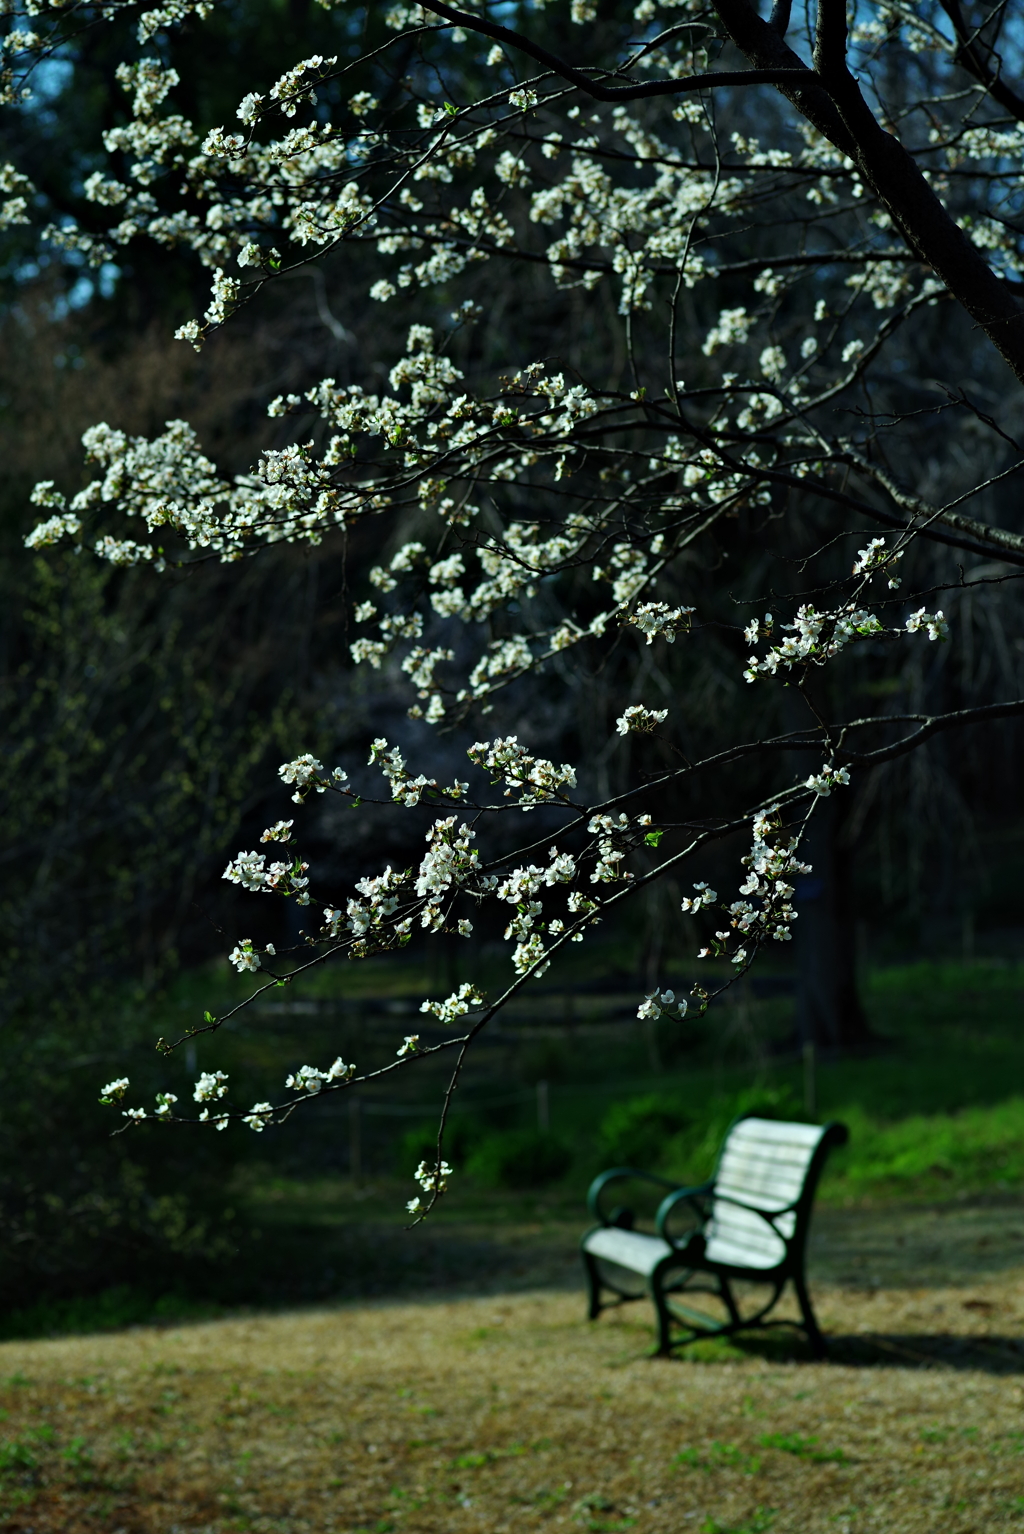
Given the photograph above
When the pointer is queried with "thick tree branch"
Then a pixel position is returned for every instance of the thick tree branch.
(930, 725)
(915, 209)
(838, 110)
(968, 56)
(582, 80)
(981, 533)
(830, 98)
(779, 18)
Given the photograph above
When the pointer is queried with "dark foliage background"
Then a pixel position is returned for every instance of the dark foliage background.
(142, 719)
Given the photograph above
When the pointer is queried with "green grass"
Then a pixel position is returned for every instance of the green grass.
(938, 1111)
(802, 1447)
(930, 1155)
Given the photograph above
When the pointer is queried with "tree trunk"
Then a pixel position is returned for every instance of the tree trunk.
(828, 1007)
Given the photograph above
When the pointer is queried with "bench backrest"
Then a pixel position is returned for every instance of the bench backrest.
(766, 1164)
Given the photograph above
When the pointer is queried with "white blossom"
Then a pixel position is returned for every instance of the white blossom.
(654, 618)
(294, 87)
(658, 1002)
(523, 98)
(827, 779)
(509, 762)
(466, 999)
(934, 624)
(432, 1179)
(309, 1078)
(211, 1084)
(772, 363)
(638, 720)
(449, 861)
(249, 107)
(732, 328)
(244, 956)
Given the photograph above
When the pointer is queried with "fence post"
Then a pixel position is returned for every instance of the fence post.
(810, 1082)
(543, 1107)
(355, 1138)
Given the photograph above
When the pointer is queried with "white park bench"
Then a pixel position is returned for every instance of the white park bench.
(747, 1224)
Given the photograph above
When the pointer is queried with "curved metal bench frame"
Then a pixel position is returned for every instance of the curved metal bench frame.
(674, 1273)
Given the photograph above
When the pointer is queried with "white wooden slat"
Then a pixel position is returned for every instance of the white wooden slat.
(749, 1136)
(747, 1133)
(764, 1164)
(763, 1188)
(782, 1131)
(629, 1248)
(742, 1239)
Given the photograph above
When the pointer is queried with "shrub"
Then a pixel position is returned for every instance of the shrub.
(420, 1144)
(520, 1158)
(547, 1060)
(662, 1129)
(694, 1153)
(633, 1133)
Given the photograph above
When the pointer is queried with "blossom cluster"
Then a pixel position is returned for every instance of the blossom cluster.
(405, 788)
(772, 863)
(251, 871)
(309, 1078)
(662, 1003)
(560, 514)
(638, 720)
(827, 779)
(813, 638)
(466, 999)
(433, 1179)
(535, 779)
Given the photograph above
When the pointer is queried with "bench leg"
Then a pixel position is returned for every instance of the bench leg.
(730, 1304)
(664, 1316)
(593, 1286)
(819, 1347)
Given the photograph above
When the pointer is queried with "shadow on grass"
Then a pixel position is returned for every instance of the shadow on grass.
(939, 1350)
(359, 1262)
(990, 1355)
(110, 1310)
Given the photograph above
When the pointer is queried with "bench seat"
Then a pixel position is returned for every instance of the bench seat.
(629, 1249)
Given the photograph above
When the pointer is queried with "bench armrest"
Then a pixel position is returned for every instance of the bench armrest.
(617, 1174)
(695, 1197)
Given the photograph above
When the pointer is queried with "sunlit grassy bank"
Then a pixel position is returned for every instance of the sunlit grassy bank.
(935, 1109)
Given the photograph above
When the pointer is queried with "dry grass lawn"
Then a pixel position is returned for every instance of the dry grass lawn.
(511, 1413)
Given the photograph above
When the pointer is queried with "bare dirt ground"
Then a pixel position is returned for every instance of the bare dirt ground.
(508, 1412)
